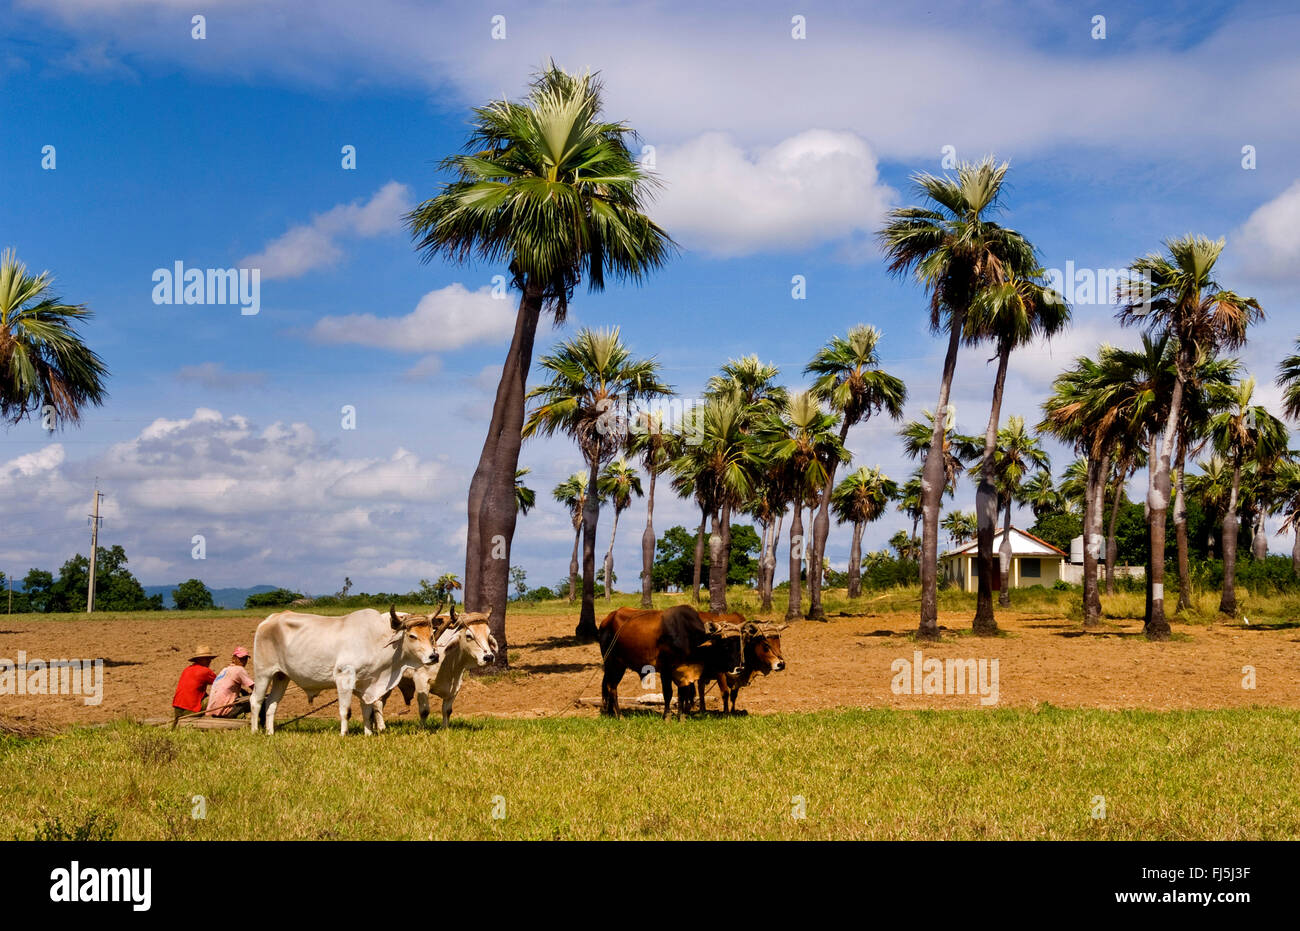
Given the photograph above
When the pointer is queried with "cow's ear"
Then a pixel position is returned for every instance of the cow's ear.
(393, 619)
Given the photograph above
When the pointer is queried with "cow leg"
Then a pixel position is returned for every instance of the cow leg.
(278, 685)
(378, 714)
(667, 681)
(446, 712)
(255, 701)
(701, 686)
(422, 701)
(609, 689)
(345, 681)
(367, 717)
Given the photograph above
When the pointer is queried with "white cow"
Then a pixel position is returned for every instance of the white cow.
(365, 650)
(467, 642)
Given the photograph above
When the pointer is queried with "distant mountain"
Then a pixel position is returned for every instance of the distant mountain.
(221, 597)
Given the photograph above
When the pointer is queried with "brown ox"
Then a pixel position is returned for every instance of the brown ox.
(675, 642)
(762, 655)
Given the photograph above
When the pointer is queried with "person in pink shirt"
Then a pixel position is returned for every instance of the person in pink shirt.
(232, 684)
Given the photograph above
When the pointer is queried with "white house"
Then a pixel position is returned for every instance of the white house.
(1033, 562)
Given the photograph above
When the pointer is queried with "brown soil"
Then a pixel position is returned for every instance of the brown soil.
(842, 663)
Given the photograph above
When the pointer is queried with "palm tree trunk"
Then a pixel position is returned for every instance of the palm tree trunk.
(609, 556)
(1295, 553)
(717, 563)
(1093, 505)
(1228, 603)
(769, 573)
(1112, 544)
(1259, 542)
(933, 480)
(573, 564)
(1180, 532)
(586, 629)
(1004, 560)
(1157, 628)
(699, 553)
(796, 562)
(821, 531)
(986, 506)
(491, 509)
(855, 561)
(648, 546)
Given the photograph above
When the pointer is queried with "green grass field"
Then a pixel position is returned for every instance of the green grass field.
(860, 774)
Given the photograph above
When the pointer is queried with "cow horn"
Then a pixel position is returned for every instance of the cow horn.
(393, 619)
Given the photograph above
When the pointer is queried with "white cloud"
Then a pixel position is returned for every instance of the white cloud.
(813, 187)
(447, 318)
(1268, 243)
(315, 244)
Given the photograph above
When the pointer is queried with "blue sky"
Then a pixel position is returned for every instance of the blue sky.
(779, 157)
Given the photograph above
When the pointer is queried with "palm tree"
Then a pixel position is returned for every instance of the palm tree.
(654, 444)
(550, 188)
(619, 482)
(956, 448)
(860, 499)
(1212, 487)
(1288, 379)
(801, 439)
(572, 493)
(1176, 294)
(960, 525)
(591, 378)
(850, 380)
(1018, 454)
(1010, 313)
(1040, 495)
(1244, 432)
(1289, 504)
(43, 362)
(525, 497)
(910, 503)
(955, 252)
(1074, 485)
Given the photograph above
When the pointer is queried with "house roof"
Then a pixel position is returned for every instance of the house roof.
(1023, 543)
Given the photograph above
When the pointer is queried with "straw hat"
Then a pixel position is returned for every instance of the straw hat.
(203, 651)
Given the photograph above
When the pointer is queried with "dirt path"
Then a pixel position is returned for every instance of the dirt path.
(843, 663)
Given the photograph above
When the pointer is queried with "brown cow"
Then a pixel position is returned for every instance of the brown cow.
(675, 642)
(762, 655)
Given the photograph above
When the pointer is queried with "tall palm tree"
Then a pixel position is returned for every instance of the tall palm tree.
(1177, 294)
(724, 456)
(1212, 487)
(957, 448)
(590, 380)
(525, 497)
(955, 252)
(802, 439)
(550, 188)
(1288, 379)
(618, 483)
(653, 442)
(1018, 454)
(1244, 432)
(848, 377)
(1040, 495)
(1289, 504)
(860, 499)
(43, 361)
(1010, 313)
(572, 493)
(1074, 485)
(910, 503)
(960, 526)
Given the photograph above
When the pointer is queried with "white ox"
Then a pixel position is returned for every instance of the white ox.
(467, 642)
(365, 650)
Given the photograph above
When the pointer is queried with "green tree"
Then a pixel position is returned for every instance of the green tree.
(1176, 294)
(192, 595)
(1018, 453)
(550, 188)
(572, 493)
(279, 598)
(850, 380)
(590, 380)
(859, 499)
(43, 361)
(955, 252)
(525, 497)
(619, 482)
(674, 558)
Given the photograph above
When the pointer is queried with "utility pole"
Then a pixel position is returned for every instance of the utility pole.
(94, 549)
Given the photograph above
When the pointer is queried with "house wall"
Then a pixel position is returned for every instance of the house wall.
(1074, 574)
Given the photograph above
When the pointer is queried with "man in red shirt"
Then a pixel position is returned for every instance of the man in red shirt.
(193, 687)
